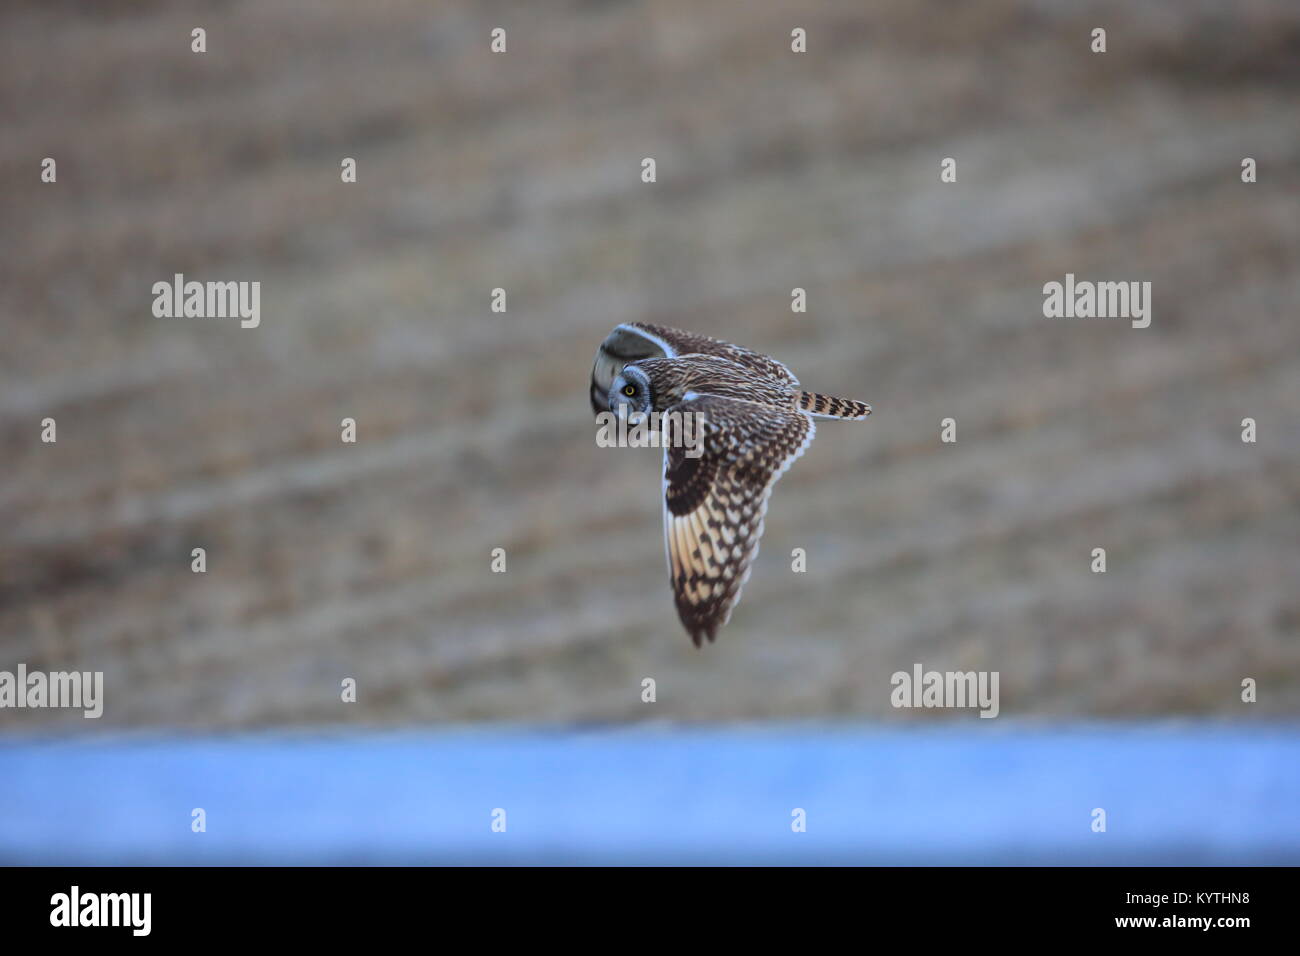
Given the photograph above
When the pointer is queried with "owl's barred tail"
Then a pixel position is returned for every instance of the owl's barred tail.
(827, 406)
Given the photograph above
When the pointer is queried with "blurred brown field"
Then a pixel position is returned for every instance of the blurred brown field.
(522, 171)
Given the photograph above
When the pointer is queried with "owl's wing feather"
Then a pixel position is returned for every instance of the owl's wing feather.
(714, 504)
(633, 341)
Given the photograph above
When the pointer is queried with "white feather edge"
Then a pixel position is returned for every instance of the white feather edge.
(668, 350)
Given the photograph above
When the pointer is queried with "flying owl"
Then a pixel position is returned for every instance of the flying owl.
(756, 421)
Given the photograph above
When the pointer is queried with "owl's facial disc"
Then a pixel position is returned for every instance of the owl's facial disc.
(629, 393)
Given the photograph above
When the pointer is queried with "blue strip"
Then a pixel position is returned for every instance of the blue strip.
(1000, 793)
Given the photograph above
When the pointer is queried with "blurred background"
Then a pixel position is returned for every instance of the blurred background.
(775, 170)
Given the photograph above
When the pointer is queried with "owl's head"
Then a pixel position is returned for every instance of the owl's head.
(630, 392)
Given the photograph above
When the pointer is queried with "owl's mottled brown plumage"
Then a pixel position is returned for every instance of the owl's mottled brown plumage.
(634, 341)
(714, 505)
(755, 422)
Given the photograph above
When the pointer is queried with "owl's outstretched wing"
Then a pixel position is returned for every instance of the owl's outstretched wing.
(633, 341)
(714, 504)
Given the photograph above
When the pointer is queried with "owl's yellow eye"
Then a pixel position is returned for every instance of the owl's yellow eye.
(629, 390)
